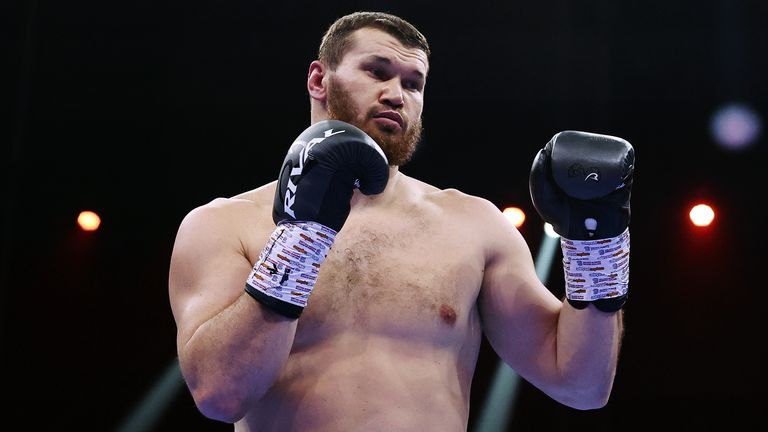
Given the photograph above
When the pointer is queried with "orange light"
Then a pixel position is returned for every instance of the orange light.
(515, 215)
(88, 220)
(702, 215)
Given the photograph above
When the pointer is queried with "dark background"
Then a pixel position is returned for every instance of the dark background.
(142, 110)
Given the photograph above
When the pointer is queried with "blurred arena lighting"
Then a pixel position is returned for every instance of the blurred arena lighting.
(88, 220)
(515, 215)
(702, 215)
(147, 413)
(549, 230)
(735, 126)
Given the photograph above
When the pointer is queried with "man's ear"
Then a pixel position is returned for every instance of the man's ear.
(315, 84)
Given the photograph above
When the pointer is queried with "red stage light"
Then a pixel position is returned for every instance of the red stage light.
(88, 220)
(702, 215)
(515, 215)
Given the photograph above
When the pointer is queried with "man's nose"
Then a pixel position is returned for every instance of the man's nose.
(392, 93)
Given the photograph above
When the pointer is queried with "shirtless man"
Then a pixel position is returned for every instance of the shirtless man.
(404, 277)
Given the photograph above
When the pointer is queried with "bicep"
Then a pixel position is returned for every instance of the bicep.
(208, 270)
(519, 313)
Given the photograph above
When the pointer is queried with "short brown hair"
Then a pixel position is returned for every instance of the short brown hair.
(336, 40)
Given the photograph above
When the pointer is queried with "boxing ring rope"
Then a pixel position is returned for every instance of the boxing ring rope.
(500, 403)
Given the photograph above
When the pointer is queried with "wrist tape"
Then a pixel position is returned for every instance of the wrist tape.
(596, 269)
(283, 277)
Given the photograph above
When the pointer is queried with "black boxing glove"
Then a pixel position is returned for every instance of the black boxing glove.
(312, 202)
(581, 183)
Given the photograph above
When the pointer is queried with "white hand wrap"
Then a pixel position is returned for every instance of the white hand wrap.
(596, 269)
(289, 264)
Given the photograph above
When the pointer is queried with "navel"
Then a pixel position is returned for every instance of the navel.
(448, 314)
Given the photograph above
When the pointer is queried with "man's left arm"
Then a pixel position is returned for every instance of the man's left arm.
(567, 353)
(588, 344)
(580, 183)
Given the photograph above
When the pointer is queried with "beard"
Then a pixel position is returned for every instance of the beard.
(398, 144)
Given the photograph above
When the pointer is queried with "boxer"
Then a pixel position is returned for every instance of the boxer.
(348, 296)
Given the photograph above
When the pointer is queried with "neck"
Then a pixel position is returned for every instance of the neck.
(317, 114)
(389, 191)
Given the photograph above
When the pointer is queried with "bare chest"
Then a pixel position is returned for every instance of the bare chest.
(405, 276)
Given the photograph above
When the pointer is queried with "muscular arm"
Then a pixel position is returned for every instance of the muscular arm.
(230, 348)
(569, 354)
(588, 343)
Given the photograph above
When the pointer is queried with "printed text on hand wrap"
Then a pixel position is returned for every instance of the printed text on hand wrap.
(596, 269)
(289, 264)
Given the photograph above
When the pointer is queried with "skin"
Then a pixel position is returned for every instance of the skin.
(390, 337)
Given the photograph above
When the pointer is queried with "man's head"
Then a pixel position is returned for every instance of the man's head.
(336, 40)
(371, 72)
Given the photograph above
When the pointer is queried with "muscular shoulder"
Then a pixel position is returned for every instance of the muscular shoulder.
(233, 219)
(457, 203)
(248, 205)
(474, 215)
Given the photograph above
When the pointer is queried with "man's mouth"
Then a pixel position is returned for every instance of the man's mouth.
(391, 117)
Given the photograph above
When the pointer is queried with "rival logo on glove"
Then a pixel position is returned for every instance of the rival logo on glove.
(578, 170)
(290, 195)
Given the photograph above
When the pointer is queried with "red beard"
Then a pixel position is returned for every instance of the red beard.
(398, 146)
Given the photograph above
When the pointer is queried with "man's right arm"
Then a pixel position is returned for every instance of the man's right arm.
(236, 319)
(230, 347)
